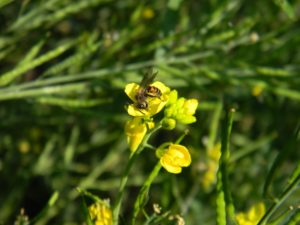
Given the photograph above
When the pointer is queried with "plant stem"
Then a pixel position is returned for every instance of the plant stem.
(288, 191)
(124, 179)
(143, 194)
(224, 200)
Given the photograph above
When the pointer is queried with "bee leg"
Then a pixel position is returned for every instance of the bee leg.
(141, 111)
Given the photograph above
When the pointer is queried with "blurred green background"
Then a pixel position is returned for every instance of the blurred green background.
(64, 65)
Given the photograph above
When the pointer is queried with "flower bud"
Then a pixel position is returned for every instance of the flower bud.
(168, 123)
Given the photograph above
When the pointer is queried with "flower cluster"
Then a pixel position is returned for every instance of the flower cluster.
(179, 110)
(145, 105)
(101, 213)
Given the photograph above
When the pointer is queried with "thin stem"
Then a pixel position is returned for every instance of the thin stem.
(224, 200)
(67, 88)
(225, 161)
(213, 129)
(288, 191)
(142, 197)
(124, 179)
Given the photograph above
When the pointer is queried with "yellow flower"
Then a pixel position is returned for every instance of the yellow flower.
(257, 90)
(210, 175)
(135, 130)
(212, 165)
(253, 216)
(155, 104)
(215, 152)
(24, 146)
(148, 13)
(101, 213)
(175, 157)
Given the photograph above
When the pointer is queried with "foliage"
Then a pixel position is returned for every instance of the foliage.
(63, 69)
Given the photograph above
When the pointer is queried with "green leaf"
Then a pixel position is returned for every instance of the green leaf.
(286, 7)
(279, 160)
(8, 77)
(5, 2)
(295, 218)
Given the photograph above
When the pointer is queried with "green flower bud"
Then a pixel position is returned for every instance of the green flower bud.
(168, 123)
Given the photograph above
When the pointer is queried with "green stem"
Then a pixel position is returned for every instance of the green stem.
(225, 161)
(53, 199)
(288, 191)
(213, 128)
(124, 179)
(224, 200)
(143, 195)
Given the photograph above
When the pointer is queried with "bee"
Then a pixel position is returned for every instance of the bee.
(146, 90)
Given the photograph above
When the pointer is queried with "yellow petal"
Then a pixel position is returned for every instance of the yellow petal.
(172, 97)
(133, 111)
(181, 154)
(101, 214)
(215, 152)
(256, 212)
(167, 164)
(190, 106)
(210, 175)
(253, 216)
(241, 218)
(175, 157)
(165, 91)
(131, 90)
(155, 105)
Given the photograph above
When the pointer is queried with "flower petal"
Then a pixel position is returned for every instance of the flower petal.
(163, 88)
(256, 212)
(133, 111)
(186, 119)
(190, 106)
(169, 167)
(253, 215)
(175, 157)
(172, 97)
(131, 90)
(181, 153)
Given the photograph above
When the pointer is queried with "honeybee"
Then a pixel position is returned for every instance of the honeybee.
(146, 90)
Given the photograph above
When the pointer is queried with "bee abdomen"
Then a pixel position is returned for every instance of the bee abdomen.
(152, 91)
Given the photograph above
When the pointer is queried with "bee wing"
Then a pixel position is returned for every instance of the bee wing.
(148, 78)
